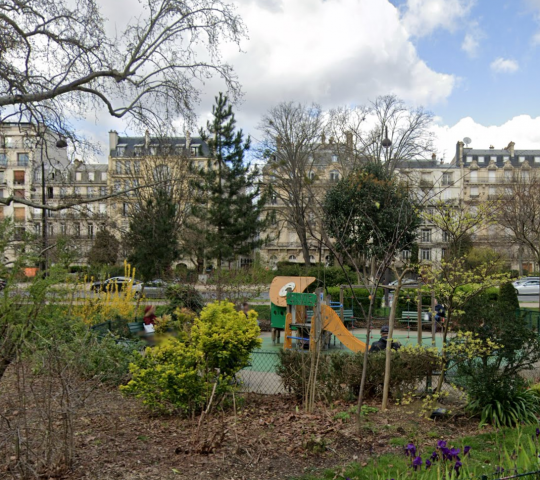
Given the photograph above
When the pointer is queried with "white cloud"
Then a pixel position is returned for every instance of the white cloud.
(524, 130)
(422, 17)
(471, 42)
(504, 65)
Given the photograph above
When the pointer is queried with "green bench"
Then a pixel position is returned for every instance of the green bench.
(412, 318)
(137, 329)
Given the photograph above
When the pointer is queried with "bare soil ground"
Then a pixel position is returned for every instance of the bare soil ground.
(269, 437)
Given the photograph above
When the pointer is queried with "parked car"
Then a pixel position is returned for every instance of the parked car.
(522, 280)
(406, 281)
(113, 283)
(530, 287)
(154, 289)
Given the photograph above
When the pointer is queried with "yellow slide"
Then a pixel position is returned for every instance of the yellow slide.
(333, 324)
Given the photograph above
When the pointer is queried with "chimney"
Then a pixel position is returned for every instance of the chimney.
(323, 138)
(491, 147)
(434, 156)
(113, 139)
(331, 141)
(459, 152)
(146, 139)
(510, 148)
(188, 139)
(349, 137)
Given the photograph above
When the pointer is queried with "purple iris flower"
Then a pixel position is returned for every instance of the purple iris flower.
(417, 462)
(441, 444)
(445, 453)
(457, 466)
(466, 450)
(410, 450)
(453, 453)
(537, 432)
(428, 464)
(435, 456)
(499, 470)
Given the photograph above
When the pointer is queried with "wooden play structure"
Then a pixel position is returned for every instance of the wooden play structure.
(306, 318)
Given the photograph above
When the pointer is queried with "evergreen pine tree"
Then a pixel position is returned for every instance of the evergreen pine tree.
(228, 209)
(104, 250)
(152, 238)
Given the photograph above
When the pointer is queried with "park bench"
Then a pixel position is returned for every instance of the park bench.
(137, 329)
(412, 318)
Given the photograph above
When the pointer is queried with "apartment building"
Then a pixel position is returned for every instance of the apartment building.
(26, 150)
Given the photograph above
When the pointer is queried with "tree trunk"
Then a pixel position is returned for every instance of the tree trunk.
(387, 366)
(305, 247)
(365, 365)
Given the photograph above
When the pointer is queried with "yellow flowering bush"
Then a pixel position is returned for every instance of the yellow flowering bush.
(181, 374)
(113, 303)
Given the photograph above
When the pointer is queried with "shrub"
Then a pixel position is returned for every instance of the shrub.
(184, 296)
(339, 374)
(182, 375)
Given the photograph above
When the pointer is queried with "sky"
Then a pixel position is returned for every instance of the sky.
(473, 63)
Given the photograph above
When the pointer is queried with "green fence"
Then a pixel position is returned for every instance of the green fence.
(532, 317)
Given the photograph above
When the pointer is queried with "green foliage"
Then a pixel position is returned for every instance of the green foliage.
(361, 295)
(152, 238)
(105, 249)
(511, 407)
(508, 298)
(370, 213)
(228, 211)
(184, 296)
(183, 375)
(263, 311)
(326, 276)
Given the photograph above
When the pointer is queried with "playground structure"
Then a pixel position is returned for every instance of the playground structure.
(315, 327)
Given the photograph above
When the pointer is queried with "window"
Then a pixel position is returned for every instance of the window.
(334, 176)
(117, 186)
(138, 150)
(334, 158)
(77, 230)
(508, 175)
(273, 199)
(91, 191)
(63, 229)
(312, 258)
(137, 167)
(18, 177)
(425, 235)
(473, 176)
(494, 158)
(273, 261)
(521, 159)
(406, 255)
(125, 209)
(525, 176)
(78, 176)
(37, 228)
(102, 191)
(102, 208)
(161, 172)
(292, 258)
(20, 232)
(536, 159)
(90, 230)
(474, 191)
(425, 254)
(120, 150)
(19, 214)
(127, 168)
(194, 151)
(50, 229)
(506, 158)
(104, 176)
(480, 159)
(91, 176)
(443, 252)
(22, 159)
(445, 236)
(447, 179)
(311, 176)
(492, 176)
(3, 160)
(118, 168)
(50, 192)
(76, 190)
(492, 192)
(8, 142)
(469, 159)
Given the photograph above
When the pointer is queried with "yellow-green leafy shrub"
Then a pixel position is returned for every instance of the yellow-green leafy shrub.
(180, 375)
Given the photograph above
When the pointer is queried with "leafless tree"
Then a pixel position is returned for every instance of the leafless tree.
(359, 132)
(58, 63)
(291, 139)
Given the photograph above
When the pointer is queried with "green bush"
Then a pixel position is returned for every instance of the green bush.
(182, 376)
(339, 374)
(183, 296)
(263, 311)
(326, 276)
(362, 296)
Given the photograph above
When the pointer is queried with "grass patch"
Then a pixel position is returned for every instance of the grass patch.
(488, 451)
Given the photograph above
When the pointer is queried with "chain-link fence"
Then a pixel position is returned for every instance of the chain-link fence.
(260, 376)
(497, 476)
